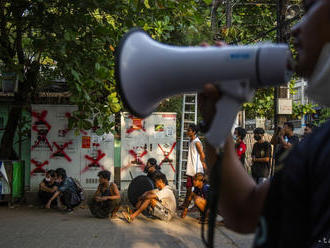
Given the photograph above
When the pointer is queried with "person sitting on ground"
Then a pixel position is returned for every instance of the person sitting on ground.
(240, 146)
(67, 191)
(152, 169)
(48, 187)
(106, 200)
(199, 195)
(261, 154)
(160, 203)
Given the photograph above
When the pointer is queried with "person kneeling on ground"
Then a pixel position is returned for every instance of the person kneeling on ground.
(47, 188)
(106, 199)
(160, 203)
(67, 191)
(199, 195)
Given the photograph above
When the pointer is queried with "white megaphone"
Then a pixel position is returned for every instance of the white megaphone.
(148, 71)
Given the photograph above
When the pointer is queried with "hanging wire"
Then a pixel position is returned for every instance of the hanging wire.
(212, 203)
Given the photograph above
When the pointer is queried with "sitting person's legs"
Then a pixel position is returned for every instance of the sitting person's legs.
(200, 202)
(69, 199)
(99, 209)
(114, 207)
(142, 206)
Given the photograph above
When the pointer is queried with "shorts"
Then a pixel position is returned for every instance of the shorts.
(161, 212)
(189, 183)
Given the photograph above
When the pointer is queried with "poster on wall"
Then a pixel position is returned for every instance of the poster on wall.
(54, 145)
(152, 137)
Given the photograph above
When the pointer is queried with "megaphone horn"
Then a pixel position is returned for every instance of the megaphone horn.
(148, 71)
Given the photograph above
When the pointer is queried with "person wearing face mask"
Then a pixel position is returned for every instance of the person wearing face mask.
(261, 154)
(240, 146)
(47, 188)
(292, 208)
(67, 191)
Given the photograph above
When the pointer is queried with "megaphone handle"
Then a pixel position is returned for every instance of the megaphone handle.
(226, 111)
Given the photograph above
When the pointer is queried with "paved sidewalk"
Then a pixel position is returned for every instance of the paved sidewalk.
(31, 227)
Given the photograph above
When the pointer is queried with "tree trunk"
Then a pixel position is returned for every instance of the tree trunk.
(214, 18)
(6, 150)
(229, 13)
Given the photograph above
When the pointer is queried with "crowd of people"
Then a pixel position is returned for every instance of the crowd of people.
(265, 155)
(58, 190)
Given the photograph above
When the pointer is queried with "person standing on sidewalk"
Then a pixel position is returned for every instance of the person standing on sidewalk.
(286, 139)
(196, 160)
(240, 146)
(261, 154)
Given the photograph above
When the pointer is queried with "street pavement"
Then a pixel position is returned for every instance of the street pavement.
(32, 227)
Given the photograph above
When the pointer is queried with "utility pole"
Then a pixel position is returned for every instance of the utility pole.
(281, 37)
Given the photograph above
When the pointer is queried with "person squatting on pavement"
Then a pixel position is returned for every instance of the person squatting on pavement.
(292, 209)
(47, 188)
(68, 191)
(199, 195)
(106, 200)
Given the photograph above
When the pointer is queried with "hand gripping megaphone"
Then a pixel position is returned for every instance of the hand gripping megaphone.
(148, 71)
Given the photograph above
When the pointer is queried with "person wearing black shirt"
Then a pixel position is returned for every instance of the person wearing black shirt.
(261, 153)
(152, 169)
(48, 187)
(285, 140)
(106, 200)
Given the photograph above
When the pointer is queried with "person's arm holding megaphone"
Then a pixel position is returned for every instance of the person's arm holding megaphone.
(241, 200)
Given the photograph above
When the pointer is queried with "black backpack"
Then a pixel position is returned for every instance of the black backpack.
(80, 189)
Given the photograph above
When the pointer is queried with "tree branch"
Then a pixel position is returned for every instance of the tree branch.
(214, 17)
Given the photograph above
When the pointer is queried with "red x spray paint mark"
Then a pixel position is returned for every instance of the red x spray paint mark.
(42, 132)
(95, 162)
(137, 124)
(41, 119)
(60, 150)
(42, 138)
(39, 166)
(137, 159)
(166, 156)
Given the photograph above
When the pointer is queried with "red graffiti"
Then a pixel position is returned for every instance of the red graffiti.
(42, 127)
(95, 162)
(137, 159)
(39, 166)
(166, 156)
(137, 124)
(60, 150)
(40, 120)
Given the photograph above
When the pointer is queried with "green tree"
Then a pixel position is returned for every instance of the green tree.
(43, 41)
